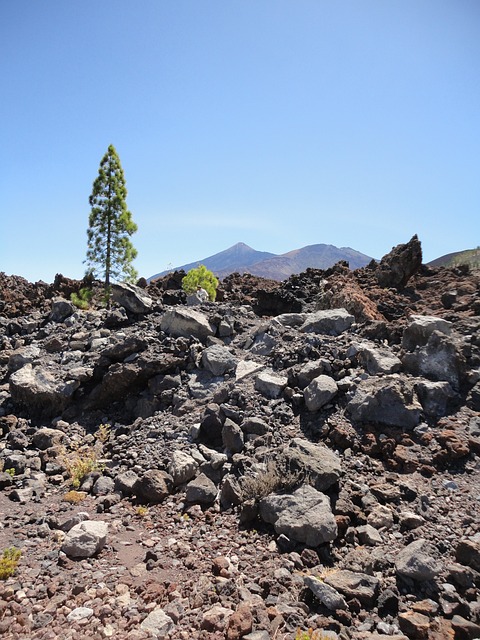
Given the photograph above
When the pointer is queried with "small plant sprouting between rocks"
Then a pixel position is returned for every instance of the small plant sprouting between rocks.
(82, 299)
(11, 472)
(103, 433)
(142, 511)
(312, 634)
(74, 496)
(9, 562)
(275, 477)
(80, 462)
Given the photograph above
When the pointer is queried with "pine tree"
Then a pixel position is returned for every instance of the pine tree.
(110, 252)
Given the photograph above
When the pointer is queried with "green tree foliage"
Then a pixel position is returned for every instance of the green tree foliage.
(200, 276)
(110, 252)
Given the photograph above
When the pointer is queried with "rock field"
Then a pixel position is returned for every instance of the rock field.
(296, 460)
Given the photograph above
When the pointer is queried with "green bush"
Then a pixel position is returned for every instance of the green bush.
(9, 562)
(200, 276)
(82, 299)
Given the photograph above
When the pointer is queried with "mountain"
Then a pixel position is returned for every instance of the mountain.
(243, 259)
(240, 256)
(315, 256)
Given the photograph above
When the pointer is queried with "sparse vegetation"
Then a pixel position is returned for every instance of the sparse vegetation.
(80, 462)
(311, 634)
(11, 472)
(142, 511)
(200, 276)
(103, 433)
(9, 562)
(275, 477)
(74, 497)
(82, 299)
(470, 258)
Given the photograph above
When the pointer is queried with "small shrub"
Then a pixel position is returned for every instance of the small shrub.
(311, 634)
(275, 477)
(9, 562)
(103, 433)
(11, 472)
(142, 511)
(200, 276)
(80, 463)
(74, 497)
(82, 299)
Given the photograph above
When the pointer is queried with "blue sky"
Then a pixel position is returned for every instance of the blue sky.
(271, 122)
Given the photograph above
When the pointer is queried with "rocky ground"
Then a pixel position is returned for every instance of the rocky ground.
(297, 456)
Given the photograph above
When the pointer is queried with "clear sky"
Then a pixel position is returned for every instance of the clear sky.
(278, 123)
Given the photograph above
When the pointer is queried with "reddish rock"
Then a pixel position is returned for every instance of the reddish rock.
(240, 623)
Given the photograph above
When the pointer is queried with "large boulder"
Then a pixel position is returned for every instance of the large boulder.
(351, 584)
(398, 266)
(318, 463)
(85, 539)
(153, 486)
(304, 515)
(420, 328)
(187, 323)
(330, 322)
(416, 562)
(319, 392)
(218, 360)
(377, 360)
(270, 384)
(61, 310)
(43, 391)
(132, 298)
(390, 400)
(440, 359)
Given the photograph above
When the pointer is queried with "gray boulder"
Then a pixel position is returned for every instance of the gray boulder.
(61, 310)
(317, 462)
(325, 594)
(319, 392)
(218, 360)
(304, 515)
(42, 391)
(22, 356)
(417, 333)
(361, 586)
(439, 359)
(270, 385)
(44, 438)
(125, 482)
(85, 539)
(378, 360)
(331, 322)
(182, 467)
(232, 437)
(415, 562)
(390, 400)
(201, 490)
(132, 298)
(187, 323)
(157, 624)
(434, 397)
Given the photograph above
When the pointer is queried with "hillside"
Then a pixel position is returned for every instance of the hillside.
(239, 256)
(470, 257)
(243, 259)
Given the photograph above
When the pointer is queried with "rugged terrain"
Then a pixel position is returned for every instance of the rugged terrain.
(297, 455)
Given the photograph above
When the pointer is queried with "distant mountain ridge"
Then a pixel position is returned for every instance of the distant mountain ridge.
(241, 258)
